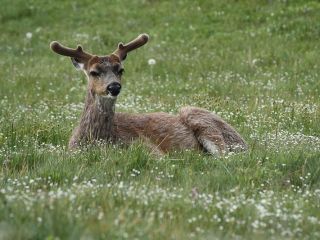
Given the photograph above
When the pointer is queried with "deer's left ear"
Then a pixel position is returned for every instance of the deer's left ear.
(78, 65)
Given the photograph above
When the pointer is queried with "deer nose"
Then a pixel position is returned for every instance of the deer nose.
(114, 88)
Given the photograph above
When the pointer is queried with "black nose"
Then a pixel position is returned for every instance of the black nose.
(114, 88)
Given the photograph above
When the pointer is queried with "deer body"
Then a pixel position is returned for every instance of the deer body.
(192, 128)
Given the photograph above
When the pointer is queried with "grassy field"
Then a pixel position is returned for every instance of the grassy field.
(255, 63)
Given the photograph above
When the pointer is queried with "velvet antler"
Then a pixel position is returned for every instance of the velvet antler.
(77, 53)
(122, 50)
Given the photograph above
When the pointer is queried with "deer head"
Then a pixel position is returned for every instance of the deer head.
(103, 72)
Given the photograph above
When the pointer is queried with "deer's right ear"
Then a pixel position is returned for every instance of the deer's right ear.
(78, 65)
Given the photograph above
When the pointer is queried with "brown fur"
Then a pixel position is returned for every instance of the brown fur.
(192, 128)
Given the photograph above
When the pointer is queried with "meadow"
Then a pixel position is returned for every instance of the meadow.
(255, 63)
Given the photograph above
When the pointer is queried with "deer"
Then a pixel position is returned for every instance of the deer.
(192, 128)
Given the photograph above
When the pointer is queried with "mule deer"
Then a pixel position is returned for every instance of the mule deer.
(192, 128)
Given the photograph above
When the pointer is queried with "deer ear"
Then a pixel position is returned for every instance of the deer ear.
(78, 65)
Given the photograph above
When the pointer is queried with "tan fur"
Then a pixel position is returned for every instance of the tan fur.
(193, 128)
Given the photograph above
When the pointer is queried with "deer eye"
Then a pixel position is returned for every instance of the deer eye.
(121, 71)
(94, 73)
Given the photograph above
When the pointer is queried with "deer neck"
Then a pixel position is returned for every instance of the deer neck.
(97, 118)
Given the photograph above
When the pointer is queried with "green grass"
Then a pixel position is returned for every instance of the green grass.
(255, 63)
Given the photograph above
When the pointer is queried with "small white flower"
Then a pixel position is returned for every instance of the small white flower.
(29, 35)
(255, 61)
(151, 61)
(100, 215)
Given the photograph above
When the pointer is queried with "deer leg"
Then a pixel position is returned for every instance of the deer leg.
(213, 144)
(200, 122)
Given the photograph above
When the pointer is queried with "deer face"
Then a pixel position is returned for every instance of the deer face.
(104, 73)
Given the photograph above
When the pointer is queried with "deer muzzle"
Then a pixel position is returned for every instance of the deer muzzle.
(114, 88)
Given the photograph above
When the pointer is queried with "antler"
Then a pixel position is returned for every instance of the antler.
(77, 53)
(122, 50)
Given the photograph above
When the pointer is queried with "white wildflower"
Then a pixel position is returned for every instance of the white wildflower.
(100, 215)
(151, 61)
(29, 35)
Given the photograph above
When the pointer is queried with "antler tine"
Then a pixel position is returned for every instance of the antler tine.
(122, 50)
(77, 53)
